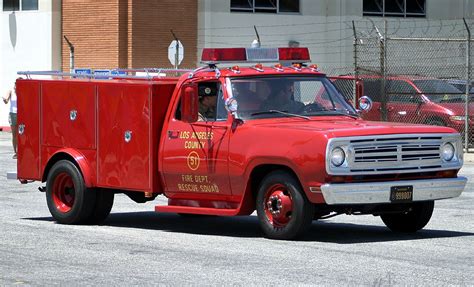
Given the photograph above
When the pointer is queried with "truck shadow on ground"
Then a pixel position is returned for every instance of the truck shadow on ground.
(248, 227)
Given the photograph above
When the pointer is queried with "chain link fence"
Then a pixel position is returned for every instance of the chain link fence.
(419, 75)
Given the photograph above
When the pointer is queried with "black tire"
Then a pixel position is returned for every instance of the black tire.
(69, 200)
(283, 210)
(411, 221)
(103, 205)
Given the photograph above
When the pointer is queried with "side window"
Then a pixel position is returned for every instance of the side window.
(401, 92)
(372, 89)
(345, 87)
(211, 102)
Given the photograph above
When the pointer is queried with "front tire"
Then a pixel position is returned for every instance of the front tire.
(69, 200)
(283, 210)
(415, 219)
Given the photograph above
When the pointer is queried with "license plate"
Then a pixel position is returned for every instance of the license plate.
(401, 193)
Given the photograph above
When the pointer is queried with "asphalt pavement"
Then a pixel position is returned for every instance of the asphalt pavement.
(136, 246)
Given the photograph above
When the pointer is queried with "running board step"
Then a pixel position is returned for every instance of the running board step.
(196, 210)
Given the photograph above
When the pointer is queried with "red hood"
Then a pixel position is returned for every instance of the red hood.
(345, 127)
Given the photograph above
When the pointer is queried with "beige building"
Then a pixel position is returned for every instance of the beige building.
(136, 33)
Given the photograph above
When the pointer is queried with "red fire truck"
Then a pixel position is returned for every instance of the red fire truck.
(278, 139)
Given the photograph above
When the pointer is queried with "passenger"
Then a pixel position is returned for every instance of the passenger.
(245, 97)
(282, 99)
(263, 91)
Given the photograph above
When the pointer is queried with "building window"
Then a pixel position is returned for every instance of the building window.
(20, 5)
(11, 5)
(265, 6)
(394, 8)
(28, 5)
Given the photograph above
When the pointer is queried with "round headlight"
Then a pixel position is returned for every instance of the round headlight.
(447, 151)
(338, 156)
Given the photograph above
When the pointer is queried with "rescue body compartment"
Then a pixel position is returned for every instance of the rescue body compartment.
(111, 127)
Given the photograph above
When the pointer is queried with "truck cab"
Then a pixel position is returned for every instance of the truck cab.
(278, 139)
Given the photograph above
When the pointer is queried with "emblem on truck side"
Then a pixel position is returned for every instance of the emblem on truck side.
(193, 160)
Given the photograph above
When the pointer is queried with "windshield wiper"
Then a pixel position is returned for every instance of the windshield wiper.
(280, 112)
(354, 116)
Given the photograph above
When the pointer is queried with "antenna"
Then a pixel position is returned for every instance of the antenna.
(71, 54)
(174, 35)
(256, 43)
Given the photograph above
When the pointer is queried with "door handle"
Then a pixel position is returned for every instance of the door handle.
(402, 113)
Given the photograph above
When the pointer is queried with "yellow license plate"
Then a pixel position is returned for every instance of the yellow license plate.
(401, 193)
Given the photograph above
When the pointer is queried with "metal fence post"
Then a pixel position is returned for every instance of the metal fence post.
(468, 83)
(356, 69)
(383, 94)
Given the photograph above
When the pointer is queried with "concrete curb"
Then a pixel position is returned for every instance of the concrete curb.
(469, 157)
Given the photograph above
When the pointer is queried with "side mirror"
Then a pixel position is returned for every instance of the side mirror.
(365, 104)
(189, 103)
(231, 105)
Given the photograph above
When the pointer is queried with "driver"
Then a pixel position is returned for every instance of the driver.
(207, 104)
(282, 99)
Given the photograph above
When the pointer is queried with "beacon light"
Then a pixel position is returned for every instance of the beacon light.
(224, 55)
(255, 55)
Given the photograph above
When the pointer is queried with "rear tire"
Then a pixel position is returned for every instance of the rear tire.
(69, 200)
(103, 205)
(283, 210)
(411, 221)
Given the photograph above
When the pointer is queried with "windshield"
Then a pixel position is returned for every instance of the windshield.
(439, 91)
(268, 97)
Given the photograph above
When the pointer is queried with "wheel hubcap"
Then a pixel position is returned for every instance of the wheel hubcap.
(63, 192)
(278, 205)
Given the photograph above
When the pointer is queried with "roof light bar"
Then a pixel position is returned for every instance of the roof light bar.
(255, 55)
(212, 56)
(295, 55)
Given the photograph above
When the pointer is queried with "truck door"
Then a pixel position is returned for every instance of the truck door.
(403, 103)
(195, 156)
(28, 164)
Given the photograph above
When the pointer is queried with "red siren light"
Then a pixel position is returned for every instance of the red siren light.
(294, 54)
(255, 55)
(224, 55)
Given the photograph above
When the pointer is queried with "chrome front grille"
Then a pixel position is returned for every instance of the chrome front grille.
(394, 154)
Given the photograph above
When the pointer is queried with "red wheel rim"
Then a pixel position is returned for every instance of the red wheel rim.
(63, 192)
(278, 205)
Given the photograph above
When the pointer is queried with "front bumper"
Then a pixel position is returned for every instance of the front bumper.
(379, 192)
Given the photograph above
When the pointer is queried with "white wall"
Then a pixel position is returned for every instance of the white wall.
(325, 26)
(30, 40)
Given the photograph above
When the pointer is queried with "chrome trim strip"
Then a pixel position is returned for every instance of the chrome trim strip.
(394, 141)
(379, 192)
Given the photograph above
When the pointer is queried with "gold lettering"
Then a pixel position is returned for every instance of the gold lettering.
(194, 144)
(201, 178)
(203, 135)
(184, 135)
(187, 178)
(187, 187)
(209, 188)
